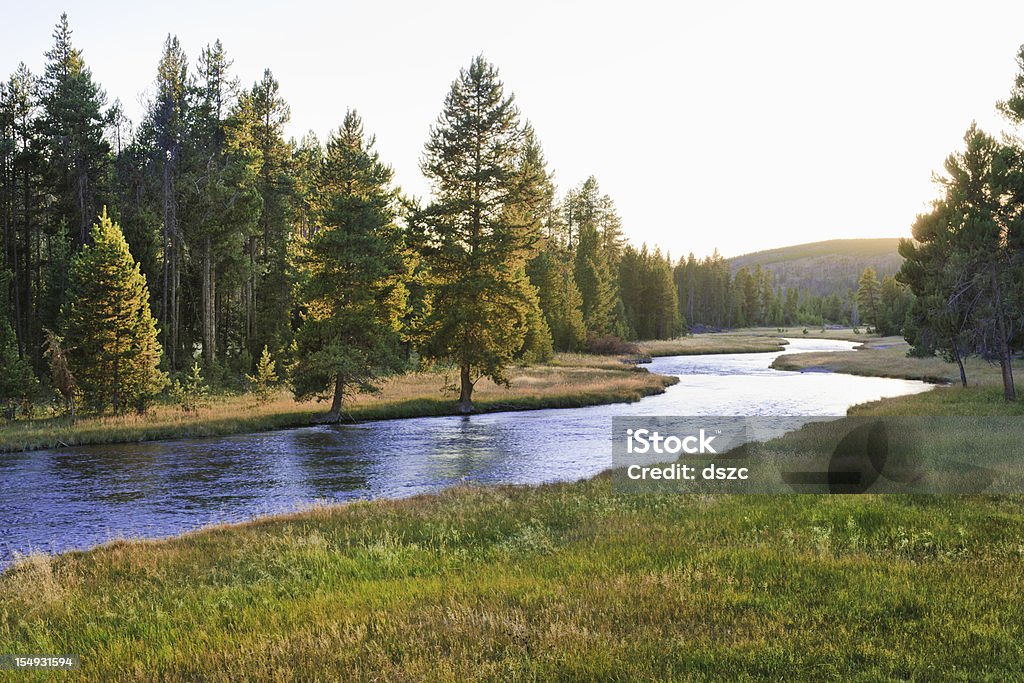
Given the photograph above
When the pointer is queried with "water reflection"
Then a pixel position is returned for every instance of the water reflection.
(78, 497)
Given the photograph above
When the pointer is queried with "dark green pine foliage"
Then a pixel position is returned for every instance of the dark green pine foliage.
(22, 243)
(352, 269)
(648, 294)
(966, 270)
(109, 332)
(594, 277)
(72, 127)
(167, 128)
(537, 196)
(596, 232)
(262, 115)
(895, 301)
(869, 297)
(476, 239)
(551, 273)
(222, 212)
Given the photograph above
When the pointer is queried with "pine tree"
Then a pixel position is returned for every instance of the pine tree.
(265, 380)
(535, 207)
(594, 277)
(107, 324)
(262, 114)
(22, 197)
(168, 120)
(551, 273)
(191, 391)
(869, 296)
(72, 127)
(226, 205)
(599, 248)
(475, 240)
(351, 276)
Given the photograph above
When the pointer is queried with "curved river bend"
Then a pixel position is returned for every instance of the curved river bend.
(79, 497)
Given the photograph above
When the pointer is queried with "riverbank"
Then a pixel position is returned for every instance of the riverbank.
(741, 341)
(569, 381)
(559, 582)
(887, 357)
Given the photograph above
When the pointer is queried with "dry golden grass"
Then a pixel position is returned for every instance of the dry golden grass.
(887, 357)
(570, 381)
(715, 342)
(813, 332)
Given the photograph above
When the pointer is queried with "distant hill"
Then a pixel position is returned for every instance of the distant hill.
(825, 267)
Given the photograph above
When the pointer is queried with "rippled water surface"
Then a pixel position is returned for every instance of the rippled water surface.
(78, 497)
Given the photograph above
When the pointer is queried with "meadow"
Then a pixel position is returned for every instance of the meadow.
(562, 582)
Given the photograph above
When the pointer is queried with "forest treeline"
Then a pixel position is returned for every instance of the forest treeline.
(250, 245)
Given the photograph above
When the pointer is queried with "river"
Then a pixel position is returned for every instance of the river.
(79, 497)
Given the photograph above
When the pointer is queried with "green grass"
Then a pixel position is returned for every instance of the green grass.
(570, 381)
(561, 582)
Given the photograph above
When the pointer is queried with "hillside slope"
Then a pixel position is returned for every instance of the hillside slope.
(825, 267)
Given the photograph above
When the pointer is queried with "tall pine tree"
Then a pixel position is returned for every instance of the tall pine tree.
(351, 275)
(475, 239)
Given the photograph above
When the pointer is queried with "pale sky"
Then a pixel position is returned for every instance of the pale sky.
(740, 125)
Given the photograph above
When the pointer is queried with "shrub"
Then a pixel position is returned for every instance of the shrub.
(610, 345)
(191, 392)
(265, 381)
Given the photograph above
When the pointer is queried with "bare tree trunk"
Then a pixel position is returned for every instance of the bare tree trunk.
(1005, 364)
(175, 300)
(960, 363)
(164, 312)
(250, 300)
(209, 321)
(466, 393)
(83, 212)
(18, 331)
(25, 338)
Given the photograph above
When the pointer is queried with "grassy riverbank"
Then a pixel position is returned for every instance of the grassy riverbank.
(569, 381)
(563, 582)
(887, 357)
(715, 342)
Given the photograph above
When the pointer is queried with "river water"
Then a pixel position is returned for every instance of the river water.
(79, 497)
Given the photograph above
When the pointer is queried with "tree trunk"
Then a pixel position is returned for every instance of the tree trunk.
(466, 394)
(209, 322)
(250, 300)
(960, 364)
(1009, 391)
(334, 415)
(1005, 363)
(166, 247)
